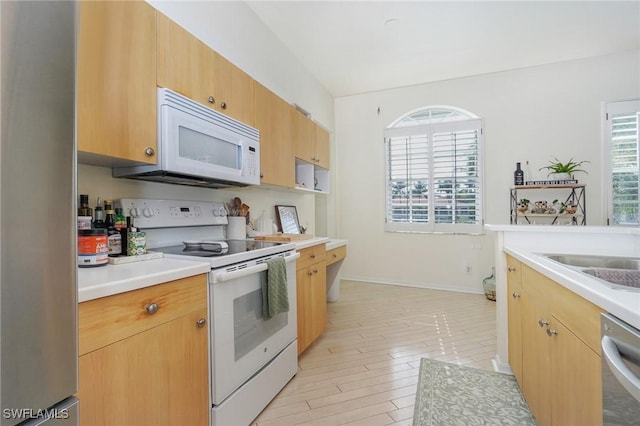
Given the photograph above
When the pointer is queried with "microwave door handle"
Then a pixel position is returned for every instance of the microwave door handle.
(220, 277)
(621, 372)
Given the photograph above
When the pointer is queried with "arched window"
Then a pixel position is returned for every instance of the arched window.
(434, 172)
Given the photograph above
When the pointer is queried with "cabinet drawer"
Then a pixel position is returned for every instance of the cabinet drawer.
(110, 319)
(311, 255)
(336, 254)
(573, 311)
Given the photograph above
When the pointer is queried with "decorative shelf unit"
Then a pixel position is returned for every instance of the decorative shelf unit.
(576, 195)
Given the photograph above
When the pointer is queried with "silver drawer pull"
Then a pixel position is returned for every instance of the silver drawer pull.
(152, 308)
(201, 322)
(313, 255)
(551, 331)
(516, 295)
(511, 269)
(542, 322)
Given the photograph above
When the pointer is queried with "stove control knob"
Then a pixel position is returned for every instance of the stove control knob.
(133, 212)
(218, 212)
(147, 212)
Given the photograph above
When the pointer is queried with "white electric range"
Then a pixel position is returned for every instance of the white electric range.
(251, 358)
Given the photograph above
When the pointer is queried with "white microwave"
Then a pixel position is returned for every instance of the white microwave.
(199, 146)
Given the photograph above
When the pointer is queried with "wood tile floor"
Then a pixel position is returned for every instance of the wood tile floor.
(364, 369)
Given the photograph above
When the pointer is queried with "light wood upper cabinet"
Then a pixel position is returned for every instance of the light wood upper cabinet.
(116, 79)
(185, 64)
(561, 362)
(141, 366)
(274, 120)
(190, 67)
(234, 91)
(311, 141)
(321, 147)
(303, 136)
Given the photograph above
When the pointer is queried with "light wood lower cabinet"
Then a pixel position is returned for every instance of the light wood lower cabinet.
(311, 281)
(554, 342)
(514, 306)
(143, 368)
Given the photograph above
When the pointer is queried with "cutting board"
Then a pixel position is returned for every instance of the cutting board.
(284, 237)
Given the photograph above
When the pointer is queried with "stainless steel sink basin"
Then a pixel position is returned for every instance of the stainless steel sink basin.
(622, 273)
(596, 261)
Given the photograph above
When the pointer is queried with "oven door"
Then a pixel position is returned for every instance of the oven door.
(242, 341)
(620, 372)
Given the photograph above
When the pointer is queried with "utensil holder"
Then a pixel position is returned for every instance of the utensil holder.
(236, 229)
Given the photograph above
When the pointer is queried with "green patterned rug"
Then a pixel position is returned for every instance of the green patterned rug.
(450, 394)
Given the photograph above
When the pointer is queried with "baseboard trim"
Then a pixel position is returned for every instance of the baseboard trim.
(430, 286)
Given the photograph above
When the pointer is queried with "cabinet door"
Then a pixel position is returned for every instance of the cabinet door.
(303, 136)
(318, 299)
(116, 77)
(273, 119)
(185, 64)
(158, 377)
(304, 300)
(321, 147)
(577, 380)
(514, 306)
(233, 91)
(536, 359)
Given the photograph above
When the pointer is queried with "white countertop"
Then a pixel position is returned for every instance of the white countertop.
(621, 303)
(301, 244)
(334, 243)
(108, 280)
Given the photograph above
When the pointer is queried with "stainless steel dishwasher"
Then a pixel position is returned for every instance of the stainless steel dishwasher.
(620, 372)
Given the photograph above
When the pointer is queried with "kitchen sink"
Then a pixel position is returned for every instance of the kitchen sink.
(621, 273)
(596, 261)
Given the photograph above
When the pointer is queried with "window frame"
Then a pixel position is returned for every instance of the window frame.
(615, 107)
(470, 122)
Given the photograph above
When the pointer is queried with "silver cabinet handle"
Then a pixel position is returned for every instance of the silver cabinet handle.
(551, 331)
(310, 273)
(511, 269)
(621, 372)
(223, 105)
(201, 322)
(335, 255)
(516, 295)
(313, 255)
(211, 100)
(542, 322)
(152, 308)
(149, 151)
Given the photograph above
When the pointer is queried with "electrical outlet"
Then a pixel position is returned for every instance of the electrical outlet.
(468, 269)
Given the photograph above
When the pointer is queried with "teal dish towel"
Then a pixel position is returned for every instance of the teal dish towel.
(275, 297)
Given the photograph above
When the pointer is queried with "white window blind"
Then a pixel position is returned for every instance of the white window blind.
(434, 181)
(623, 128)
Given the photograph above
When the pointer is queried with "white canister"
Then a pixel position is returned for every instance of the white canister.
(236, 229)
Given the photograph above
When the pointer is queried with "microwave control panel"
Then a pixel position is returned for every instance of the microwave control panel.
(149, 213)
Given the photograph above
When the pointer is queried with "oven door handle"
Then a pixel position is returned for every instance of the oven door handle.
(220, 277)
(621, 372)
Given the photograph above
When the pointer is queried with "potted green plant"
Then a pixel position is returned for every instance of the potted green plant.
(523, 205)
(567, 169)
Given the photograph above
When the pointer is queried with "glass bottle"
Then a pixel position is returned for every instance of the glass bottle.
(98, 216)
(527, 172)
(518, 175)
(114, 240)
(120, 220)
(84, 209)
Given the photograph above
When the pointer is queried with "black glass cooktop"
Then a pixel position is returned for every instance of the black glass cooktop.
(214, 248)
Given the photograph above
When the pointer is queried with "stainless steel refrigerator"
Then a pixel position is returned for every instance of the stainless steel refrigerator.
(38, 294)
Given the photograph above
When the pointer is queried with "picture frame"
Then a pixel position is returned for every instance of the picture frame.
(287, 217)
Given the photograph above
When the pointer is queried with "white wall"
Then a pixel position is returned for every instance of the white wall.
(233, 30)
(531, 114)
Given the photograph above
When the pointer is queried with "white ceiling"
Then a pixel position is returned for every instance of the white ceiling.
(349, 49)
